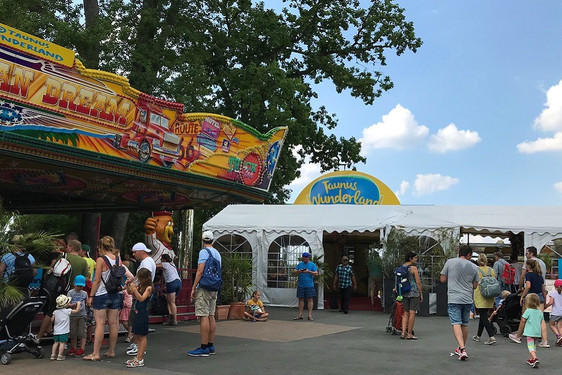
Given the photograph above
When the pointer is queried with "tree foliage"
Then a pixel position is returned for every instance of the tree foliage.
(239, 58)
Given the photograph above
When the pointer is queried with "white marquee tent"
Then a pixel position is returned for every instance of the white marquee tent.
(261, 225)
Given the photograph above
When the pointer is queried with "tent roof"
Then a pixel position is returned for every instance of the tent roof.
(349, 218)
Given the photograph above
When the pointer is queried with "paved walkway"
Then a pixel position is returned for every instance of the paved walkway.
(333, 343)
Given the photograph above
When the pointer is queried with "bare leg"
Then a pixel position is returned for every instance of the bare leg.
(405, 317)
(459, 333)
(142, 347)
(55, 349)
(172, 308)
(100, 316)
(212, 328)
(45, 324)
(301, 306)
(310, 306)
(411, 321)
(204, 329)
(113, 320)
(61, 349)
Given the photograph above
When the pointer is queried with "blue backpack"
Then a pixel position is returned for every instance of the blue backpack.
(212, 274)
(402, 283)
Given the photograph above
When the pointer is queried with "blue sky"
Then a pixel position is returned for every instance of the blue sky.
(475, 117)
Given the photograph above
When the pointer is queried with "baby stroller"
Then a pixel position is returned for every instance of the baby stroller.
(509, 314)
(15, 329)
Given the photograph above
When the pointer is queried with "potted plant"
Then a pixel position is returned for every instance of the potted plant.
(237, 282)
(324, 274)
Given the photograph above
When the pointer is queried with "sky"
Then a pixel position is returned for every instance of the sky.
(475, 116)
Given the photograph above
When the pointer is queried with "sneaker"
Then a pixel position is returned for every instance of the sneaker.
(463, 355)
(79, 352)
(491, 341)
(458, 351)
(132, 346)
(530, 362)
(34, 339)
(536, 364)
(53, 357)
(72, 351)
(61, 358)
(211, 350)
(199, 352)
(559, 341)
(544, 344)
(513, 337)
(133, 351)
(476, 338)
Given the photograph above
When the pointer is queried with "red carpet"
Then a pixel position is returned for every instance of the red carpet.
(360, 304)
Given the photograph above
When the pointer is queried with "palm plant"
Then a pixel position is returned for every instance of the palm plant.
(237, 277)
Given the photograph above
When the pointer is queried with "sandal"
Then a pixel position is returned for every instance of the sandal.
(135, 363)
(402, 337)
(411, 338)
(297, 318)
(90, 357)
(107, 355)
(309, 318)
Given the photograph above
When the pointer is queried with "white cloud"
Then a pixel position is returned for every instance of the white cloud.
(542, 144)
(431, 183)
(550, 118)
(397, 130)
(309, 172)
(450, 138)
(404, 185)
(558, 186)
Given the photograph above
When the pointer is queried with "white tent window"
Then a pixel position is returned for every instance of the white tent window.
(233, 243)
(283, 256)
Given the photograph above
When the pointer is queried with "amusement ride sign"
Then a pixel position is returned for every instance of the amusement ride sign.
(347, 187)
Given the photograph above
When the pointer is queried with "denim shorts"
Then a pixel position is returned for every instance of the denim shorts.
(108, 301)
(173, 287)
(459, 313)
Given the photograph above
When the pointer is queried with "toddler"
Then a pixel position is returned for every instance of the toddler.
(532, 319)
(554, 299)
(124, 314)
(78, 320)
(61, 319)
(503, 295)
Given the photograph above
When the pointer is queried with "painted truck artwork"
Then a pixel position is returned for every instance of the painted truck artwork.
(46, 93)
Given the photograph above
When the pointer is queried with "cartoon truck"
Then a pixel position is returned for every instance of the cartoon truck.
(150, 136)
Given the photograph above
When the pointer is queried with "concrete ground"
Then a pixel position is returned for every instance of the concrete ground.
(333, 343)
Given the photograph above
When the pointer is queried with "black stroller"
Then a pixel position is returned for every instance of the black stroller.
(15, 329)
(508, 316)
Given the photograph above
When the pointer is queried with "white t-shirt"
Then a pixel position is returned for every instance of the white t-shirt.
(557, 307)
(149, 264)
(62, 321)
(170, 272)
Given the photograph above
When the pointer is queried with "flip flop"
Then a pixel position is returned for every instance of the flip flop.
(107, 355)
(90, 357)
(412, 338)
(402, 337)
(297, 318)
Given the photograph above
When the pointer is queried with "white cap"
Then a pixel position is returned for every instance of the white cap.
(207, 236)
(139, 246)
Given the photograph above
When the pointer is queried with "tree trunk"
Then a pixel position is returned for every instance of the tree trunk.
(91, 229)
(118, 227)
(92, 51)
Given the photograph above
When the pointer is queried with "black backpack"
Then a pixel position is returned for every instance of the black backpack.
(116, 273)
(23, 271)
(212, 274)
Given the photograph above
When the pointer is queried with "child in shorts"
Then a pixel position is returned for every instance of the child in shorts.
(61, 320)
(554, 299)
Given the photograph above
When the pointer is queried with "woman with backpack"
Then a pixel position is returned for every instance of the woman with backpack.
(411, 298)
(484, 304)
(105, 297)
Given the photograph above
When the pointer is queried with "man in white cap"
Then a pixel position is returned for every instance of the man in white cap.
(205, 300)
(141, 254)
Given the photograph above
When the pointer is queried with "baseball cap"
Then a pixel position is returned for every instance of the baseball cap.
(557, 283)
(139, 246)
(207, 235)
(306, 255)
(86, 247)
(79, 280)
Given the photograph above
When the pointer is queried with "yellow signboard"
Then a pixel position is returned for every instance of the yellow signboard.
(347, 187)
(35, 46)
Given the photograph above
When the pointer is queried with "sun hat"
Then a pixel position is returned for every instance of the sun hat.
(306, 255)
(62, 301)
(139, 246)
(79, 280)
(557, 283)
(207, 235)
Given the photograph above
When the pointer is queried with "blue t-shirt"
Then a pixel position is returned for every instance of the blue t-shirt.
(204, 255)
(306, 280)
(81, 297)
(10, 261)
(536, 282)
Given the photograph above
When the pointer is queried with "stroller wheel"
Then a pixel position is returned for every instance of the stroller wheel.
(505, 331)
(39, 353)
(6, 358)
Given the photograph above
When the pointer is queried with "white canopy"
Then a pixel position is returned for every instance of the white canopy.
(262, 224)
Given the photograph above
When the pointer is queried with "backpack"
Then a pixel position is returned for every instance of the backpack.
(212, 274)
(489, 286)
(62, 267)
(116, 273)
(508, 274)
(55, 285)
(23, 272)
(402, 283)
